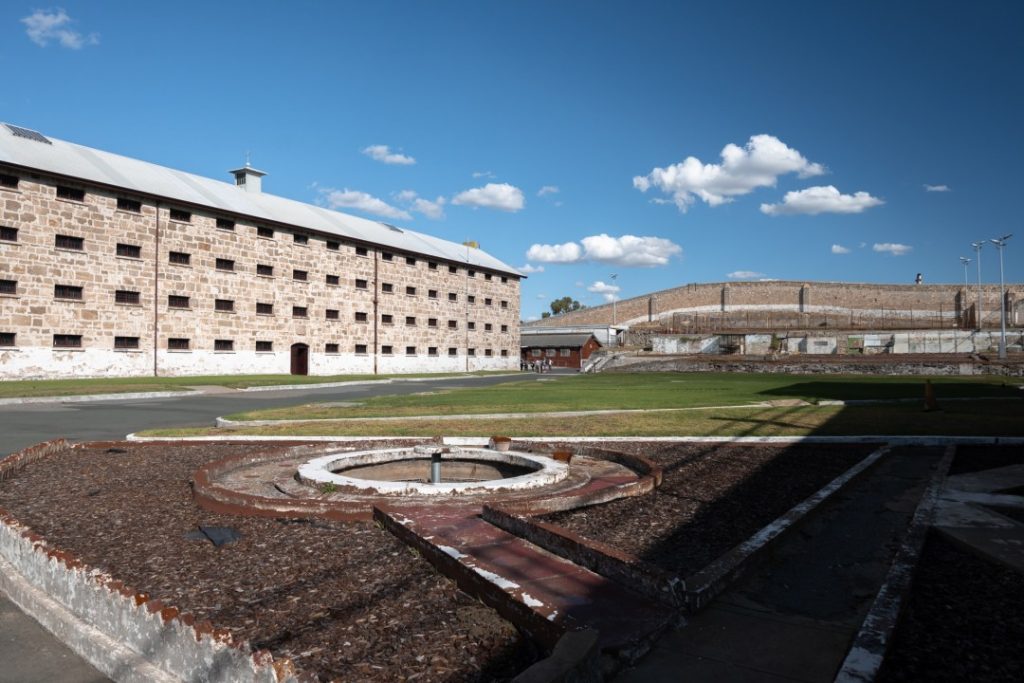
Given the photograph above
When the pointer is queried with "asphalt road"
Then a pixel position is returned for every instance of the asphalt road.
(28, 652)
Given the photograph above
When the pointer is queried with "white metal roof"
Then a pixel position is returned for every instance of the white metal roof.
(71, 160)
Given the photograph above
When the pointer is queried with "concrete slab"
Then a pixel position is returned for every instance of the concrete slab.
(30, 653)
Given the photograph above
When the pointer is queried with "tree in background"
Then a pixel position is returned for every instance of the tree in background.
(564, 305)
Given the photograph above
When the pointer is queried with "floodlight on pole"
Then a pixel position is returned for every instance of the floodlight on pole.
(977, 250)
(966, 261)
(1000, 245)
(614, 276)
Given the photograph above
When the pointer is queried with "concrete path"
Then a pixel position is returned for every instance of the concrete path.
(968, 513)
(793, 619)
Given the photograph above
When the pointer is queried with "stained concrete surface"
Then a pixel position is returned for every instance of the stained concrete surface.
(30, 654)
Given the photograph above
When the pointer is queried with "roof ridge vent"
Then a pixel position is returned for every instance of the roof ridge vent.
(248, 178)
(27, 133)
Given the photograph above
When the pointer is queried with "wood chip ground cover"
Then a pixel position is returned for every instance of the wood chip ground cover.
(712, 498)
(344, 601)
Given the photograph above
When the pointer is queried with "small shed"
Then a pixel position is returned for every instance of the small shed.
(563, 350)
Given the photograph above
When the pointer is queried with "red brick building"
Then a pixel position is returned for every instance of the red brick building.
(563, 350)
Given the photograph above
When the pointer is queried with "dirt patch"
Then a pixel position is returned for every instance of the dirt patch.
(977, 458)
(344, 601)
(712, 498)
(964, 620)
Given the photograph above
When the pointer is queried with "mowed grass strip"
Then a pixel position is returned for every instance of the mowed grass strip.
(957, 418)
(646, 391)
(120, 385)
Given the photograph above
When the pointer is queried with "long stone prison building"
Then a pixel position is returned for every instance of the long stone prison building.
(111, 266)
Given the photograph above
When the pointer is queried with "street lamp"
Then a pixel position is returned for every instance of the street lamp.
(614, 276)
(1000, 245)
(966, 262)
(977, 250)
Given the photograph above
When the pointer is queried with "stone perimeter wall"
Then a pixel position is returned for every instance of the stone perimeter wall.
(945, 301)
(426, 331)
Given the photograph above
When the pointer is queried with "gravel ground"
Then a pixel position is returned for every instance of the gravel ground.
(964, 620)
(712, 498)
(344, 601)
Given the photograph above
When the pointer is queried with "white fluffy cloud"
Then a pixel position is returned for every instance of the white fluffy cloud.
(744, 275)
(822, 199)
(530, 269)
(840, 249)
(501, 196)
(609, 292)
(383, 154)
(482, 174)
(548, 189)
(743, 169)
(892, 248)
(431, 209)
(361, 201)
(628, 250)
(936, 188)
(43, 26)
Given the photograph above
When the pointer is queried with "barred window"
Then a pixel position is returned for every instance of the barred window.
(487, 276)
(8, 286)
(264, 270)
(264, 346)
(471, 298)
(124, 296)
(10, 181)
(67, 292)
(178, 344)
(361, 349)
(266, 233)
(431, 322)
(225, 224)
(431, 350)
(332, 314)
(386, 349)
(300, 239)
(471, 325)
(432, 265)
(453, 269)
(387, 288)
(7, 339)
(387, 256)
(488, 353)
(471, 352)
(504, 328)
(431, 293)
(333, 246)
(488, 327)
(300, 312)
(504, 353)
(411, 291)
(176, 301)
(180, 258)
(410, 261)
(181, 215)
(131, 205)
(333, 280)
(362, 317)
(504, 304)
(360, 284)
(8, 234)
(387, 318)
(223, 344)
(410, 350)
(69, 242)
(362, 251)
(264, 309)
(471, 273)
(67, 341)
(331, 348)
(75, 194)
(410, 320)
(129, 250)
(453, 324)
(225, 264)
(126, 342)
(488, 302)
(300, 275)
(224, 305)
(452, 351)
(452, 296)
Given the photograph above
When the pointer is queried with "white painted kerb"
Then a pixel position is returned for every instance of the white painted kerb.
(546, 471)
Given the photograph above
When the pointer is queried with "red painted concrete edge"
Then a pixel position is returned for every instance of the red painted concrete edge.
(139, 604)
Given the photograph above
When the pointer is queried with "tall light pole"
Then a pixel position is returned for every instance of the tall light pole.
(614, 277)
(966, 262)
(977, 251)
(1000, 245)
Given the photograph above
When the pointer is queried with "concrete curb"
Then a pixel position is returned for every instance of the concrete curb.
(358, 382)
(85, 398)
(867, 653)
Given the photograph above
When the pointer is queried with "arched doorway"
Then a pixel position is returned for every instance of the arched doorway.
(300, 359)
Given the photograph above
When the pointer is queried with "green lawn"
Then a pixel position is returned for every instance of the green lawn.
(120, 385)
(645, 391)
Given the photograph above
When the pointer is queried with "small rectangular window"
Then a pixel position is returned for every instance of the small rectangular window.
(471, 273)
(67, 341)
(330, 348)
(177, 344)
(225, 264)
(471, 352)
(453, 324)
(8, 234)
(411, 291)
(224, 305)
(300, 275)
(488, 327)
(300, 312)
(333, 280)
(129, 250)
(431, 293)
(453, 269)
(362, 317)
(266, 233)
(536, 353)
(387, 256)
(69, 242)
(8, 286)
(431, 350)
(361, 349)
(7, 339)
(332, 314)
(175, 301)
(10, 181)
(487, 276)
(504, 353)
(432, 265)
(181, 215)
(549, 352)
(360, 284)
(471, 325)
(410, 350)
(452, 296)
(488, 353)
(387, 318)
(126, 342)
(362, 251)
(504, 328)
(333, 246)
(504, 304)
(124, 296)
(488, 302)
(564, 353)
(264, 309)
(223, 344)
(410, 261)
(73, 194)
(263, 270)
(130, 205)
(387, 349)
(67, 292)
(471, 298)
(410, 320)
(504, 279)
(225, 224)
(452, 351)
(180, 258)
(431, 322)
(264, 346)
(300, 239)
(387, 288)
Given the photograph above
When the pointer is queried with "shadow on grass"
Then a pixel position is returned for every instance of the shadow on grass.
(901, 388)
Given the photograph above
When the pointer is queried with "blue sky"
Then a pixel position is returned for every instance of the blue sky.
(664, 142)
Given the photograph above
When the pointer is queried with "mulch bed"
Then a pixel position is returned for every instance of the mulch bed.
(344, 601)
(964, 620)
(712, 498)
(977, 458)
